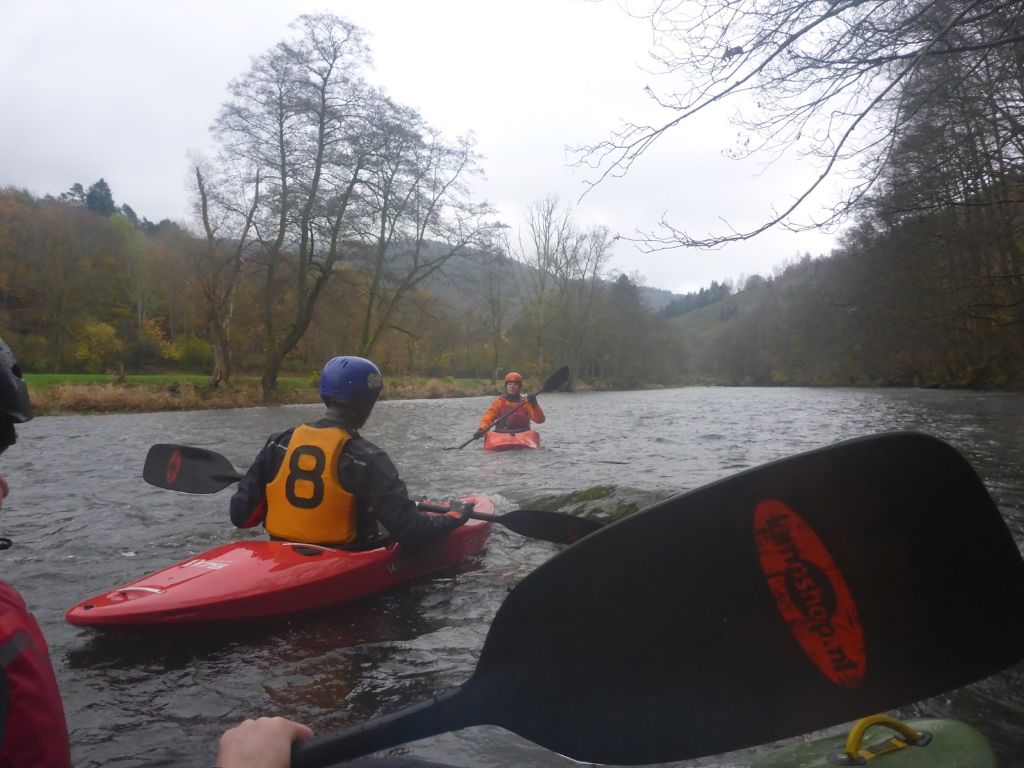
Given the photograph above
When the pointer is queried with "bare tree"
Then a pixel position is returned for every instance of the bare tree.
(585, 266)
(498, 290)
(824, 80)
(417, 214)
(227, 223)
(346, 176)
(549, 237)
(299, 118)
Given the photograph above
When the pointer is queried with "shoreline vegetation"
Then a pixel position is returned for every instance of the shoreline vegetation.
(67, 394)
(83, 394)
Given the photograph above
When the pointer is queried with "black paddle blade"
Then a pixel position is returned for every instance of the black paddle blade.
(188, 469)
(788, 598)
(556, 380)
(555, 527)
(804, 593)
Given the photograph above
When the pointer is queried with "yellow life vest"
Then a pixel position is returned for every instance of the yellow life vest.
(305, 500)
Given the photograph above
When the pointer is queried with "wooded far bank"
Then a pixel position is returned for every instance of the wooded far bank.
(84, 293)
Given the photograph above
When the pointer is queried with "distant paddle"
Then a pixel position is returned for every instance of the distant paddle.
(848, 580)
(556, 380)
(198, 470)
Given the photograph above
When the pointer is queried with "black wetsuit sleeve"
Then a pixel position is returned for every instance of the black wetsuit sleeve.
(369, 474)
(249, 502)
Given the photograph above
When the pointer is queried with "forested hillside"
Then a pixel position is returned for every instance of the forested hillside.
(911, 114)
(885, 312)
(83, 290)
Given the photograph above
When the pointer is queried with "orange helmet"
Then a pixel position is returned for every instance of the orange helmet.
(513, 376)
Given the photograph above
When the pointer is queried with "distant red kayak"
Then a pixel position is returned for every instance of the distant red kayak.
(263, 579)
(511, 441)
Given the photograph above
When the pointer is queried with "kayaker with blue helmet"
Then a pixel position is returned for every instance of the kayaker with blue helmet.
(33, 731)
(322, 483)
(508, 412)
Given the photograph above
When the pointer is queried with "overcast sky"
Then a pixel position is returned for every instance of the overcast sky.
(125, 89)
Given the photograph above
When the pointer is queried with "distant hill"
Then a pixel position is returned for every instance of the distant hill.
(464, 277)
(707, 319)
(657, 299)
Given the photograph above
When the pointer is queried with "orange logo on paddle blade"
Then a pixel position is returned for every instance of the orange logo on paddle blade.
(173, 467)
(810, 592)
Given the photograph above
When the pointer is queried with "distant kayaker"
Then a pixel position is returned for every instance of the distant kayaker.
(33, 731)
(322, 483)
(508, 412)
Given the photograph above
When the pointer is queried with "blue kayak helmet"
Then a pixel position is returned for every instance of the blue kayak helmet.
(353, 381)
(15, 407)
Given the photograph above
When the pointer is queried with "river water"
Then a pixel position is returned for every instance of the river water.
(83, 521)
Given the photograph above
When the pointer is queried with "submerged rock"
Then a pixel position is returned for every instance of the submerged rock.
(605, 503)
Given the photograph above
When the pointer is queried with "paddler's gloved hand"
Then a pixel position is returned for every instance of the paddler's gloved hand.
(460, 514)
(478, 434)
(531, 399)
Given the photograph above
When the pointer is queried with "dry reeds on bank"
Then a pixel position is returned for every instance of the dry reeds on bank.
(119, 398)
(113, 397)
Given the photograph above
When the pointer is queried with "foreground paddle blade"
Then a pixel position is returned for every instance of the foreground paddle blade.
(188, 469)
(804, 593)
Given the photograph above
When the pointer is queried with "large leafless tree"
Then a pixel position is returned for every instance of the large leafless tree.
(343, 172)
(226, 213)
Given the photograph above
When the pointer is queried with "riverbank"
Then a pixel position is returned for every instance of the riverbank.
(53, 395)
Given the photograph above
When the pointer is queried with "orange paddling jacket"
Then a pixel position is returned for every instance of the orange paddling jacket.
(516, 422)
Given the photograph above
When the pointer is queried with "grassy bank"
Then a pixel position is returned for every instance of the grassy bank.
(54, 394)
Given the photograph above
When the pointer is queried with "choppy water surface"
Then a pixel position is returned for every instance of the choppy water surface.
(83, 521)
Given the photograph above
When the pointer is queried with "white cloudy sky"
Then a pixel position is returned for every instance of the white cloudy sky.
(125, 89)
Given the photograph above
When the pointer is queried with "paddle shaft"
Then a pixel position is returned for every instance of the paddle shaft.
(556, 527)
(445, 712)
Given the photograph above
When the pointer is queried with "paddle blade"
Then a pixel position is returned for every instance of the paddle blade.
(556, 380)
(804, 593)
(541, 524)
(188, 469)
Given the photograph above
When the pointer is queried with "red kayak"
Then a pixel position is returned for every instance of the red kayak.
(511, 441)
(263, 579)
